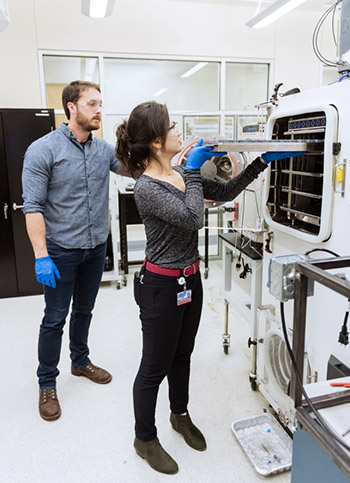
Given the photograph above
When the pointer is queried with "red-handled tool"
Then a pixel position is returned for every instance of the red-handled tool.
(340, 384)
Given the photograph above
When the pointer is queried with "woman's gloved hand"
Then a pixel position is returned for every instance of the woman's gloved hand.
(46, 271)
(199, 155)
(274, 155)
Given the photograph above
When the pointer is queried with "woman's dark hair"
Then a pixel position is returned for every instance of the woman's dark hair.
(147, 122)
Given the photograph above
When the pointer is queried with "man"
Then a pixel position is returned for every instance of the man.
(65, 191)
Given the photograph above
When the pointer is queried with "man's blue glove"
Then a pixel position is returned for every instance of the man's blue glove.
(274, 155)
(46, 271)
(199, 155)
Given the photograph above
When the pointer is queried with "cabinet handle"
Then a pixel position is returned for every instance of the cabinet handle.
(6, 206)
(16, 207)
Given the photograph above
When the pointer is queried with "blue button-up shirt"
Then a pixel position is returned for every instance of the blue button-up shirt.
(69, 184)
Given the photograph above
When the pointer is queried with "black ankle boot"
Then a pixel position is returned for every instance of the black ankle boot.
(192, 435)
(156, 456)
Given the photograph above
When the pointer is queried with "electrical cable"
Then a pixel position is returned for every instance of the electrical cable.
(316, 34)
(344, 333)
(321, 250)
(316, 413)
(333, 29)
(343, 76)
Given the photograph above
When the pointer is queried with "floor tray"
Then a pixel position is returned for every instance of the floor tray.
(265, 442)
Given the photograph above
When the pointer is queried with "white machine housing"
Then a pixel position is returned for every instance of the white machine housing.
(330, 229)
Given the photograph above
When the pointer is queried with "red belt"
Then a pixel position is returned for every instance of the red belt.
(173, 272)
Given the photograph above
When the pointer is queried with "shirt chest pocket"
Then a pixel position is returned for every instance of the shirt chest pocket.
(98, 167)
(67, 172)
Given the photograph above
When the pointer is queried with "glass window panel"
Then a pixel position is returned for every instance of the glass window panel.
(60, 71)
(201, 126)
(230, 127)
(131, 81)
(113, 120)
(250, 127)
(246, 85)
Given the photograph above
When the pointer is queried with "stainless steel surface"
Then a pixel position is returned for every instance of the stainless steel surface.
(301, 193)
(301, 173)
(301, 215)
(282, 275)
(17, 207)
(255, 146)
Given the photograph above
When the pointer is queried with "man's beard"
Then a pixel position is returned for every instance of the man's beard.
(85, 124)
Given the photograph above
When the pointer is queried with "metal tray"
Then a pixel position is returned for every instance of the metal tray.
(265, 442)
(258, 145)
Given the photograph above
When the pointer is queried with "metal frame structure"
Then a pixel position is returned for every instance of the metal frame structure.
(233, 243)
(316, 270)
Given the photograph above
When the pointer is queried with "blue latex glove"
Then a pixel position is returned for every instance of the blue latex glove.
(273, 155)
(46, 271)
(199, 155)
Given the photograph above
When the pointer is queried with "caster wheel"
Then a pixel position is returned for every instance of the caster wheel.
(253, 384)
(206, 275)
(118, 286)
(125, 282)
(226, 349)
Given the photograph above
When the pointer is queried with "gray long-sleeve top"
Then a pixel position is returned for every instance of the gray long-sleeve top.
(69, 183)
(172, 218)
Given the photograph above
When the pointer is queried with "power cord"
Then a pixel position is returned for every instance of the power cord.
(344, 333)
(321, 250)
(316, 413)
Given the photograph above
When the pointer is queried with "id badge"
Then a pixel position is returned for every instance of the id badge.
(184, 297)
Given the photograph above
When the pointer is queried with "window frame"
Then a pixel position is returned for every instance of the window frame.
(222, 61)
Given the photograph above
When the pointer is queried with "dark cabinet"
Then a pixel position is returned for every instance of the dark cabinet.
(18, 129)
(128, 215)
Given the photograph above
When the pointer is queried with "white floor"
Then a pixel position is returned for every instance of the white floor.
(92, 442)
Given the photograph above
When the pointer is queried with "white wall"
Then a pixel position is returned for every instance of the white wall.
(151, 27)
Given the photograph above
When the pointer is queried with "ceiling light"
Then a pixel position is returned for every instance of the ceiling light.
(4, 15)
(194, 69)
(273, 12)
(160, 92)
(97, 8)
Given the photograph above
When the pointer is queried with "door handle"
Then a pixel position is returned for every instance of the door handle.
(16, 207)
(6, 207)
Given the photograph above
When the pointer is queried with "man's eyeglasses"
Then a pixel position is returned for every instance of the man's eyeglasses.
(173, 126)
(90, 104)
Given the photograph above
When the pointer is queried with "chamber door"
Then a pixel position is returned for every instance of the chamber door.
(298, 190)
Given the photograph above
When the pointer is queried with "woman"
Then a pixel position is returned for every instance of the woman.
(168, 289)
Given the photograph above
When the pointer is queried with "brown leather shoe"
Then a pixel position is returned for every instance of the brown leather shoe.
(92, 372)
(49, 407)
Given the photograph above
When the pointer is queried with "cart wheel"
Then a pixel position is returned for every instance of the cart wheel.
(118, 285)
(253, 384)
(125, 281)
(226, 349)
(206, 274)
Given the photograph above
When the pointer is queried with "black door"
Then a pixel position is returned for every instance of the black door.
(8, 280)
(20, 128)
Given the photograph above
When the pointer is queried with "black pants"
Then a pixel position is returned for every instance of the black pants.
(169, 333)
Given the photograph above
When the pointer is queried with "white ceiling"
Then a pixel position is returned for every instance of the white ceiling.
(317, 5)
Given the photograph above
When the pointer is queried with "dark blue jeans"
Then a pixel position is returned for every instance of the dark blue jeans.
(81, 272)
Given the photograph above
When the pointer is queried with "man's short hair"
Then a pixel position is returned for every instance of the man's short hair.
(72, 93)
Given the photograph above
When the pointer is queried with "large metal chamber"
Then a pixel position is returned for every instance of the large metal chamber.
(306, 206)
